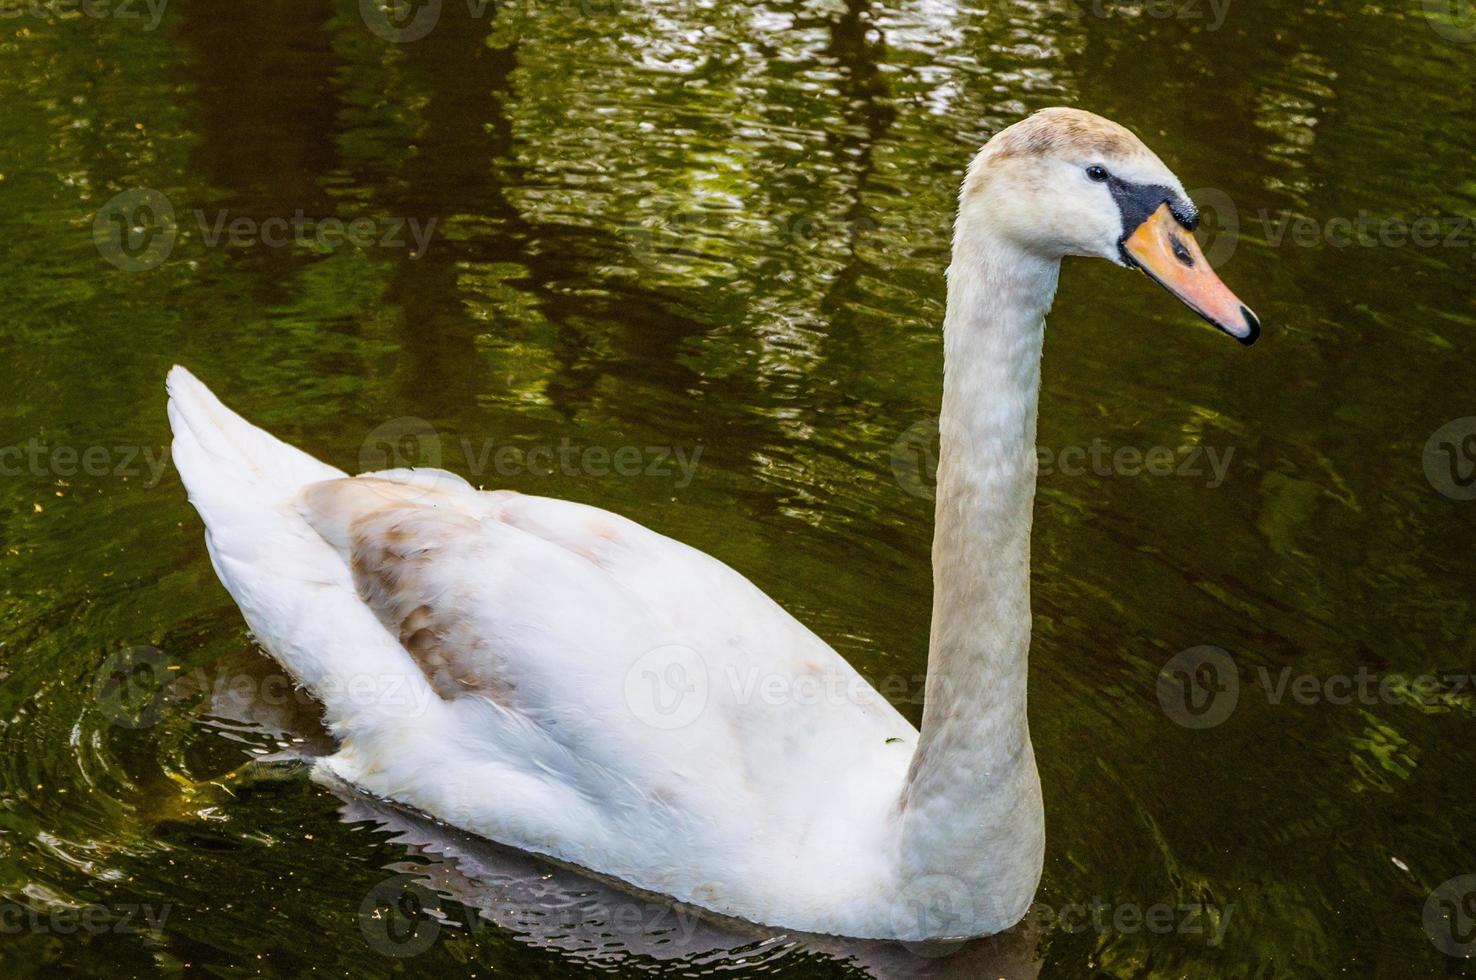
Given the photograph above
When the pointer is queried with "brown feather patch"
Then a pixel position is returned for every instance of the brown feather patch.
(393, 537)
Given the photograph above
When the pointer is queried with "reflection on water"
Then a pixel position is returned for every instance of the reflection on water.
(450, 883)
(721, 228)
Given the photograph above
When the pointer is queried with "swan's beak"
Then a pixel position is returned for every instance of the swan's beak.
(1168, 253)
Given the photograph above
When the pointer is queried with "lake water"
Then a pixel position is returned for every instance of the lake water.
(685, 261)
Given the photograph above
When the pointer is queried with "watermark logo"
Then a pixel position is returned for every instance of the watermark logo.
(915, 459)
(137, 685)
(400, 917)
(1219, 228)
(1454, 20)
(1199, 687)
(915, 454)
(315, 234)
(403, 916)
(935, 905)
(1450, 459)
(134, 686)
(136, 230)
(400, 21)
(667, 687)
(1450, 917)
(407, 442)
(670, 685)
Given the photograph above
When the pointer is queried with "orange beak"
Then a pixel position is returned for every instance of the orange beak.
(1168, 253)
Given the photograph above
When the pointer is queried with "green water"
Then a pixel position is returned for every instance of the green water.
(716, 232)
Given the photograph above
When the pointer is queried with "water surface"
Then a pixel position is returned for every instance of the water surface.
(716, 232)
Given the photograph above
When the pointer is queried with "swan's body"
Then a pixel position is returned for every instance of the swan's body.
(557, 678)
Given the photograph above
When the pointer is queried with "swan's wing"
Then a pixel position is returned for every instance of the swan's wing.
(639, 670)
(552, 676)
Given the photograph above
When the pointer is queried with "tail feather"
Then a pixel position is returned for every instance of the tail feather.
(224, 456)
(293, 587)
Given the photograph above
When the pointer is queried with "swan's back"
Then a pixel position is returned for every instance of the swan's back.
(551, 675)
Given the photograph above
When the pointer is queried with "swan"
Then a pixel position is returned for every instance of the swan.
(556, 678)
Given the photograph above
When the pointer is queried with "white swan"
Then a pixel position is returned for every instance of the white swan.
(560, 679)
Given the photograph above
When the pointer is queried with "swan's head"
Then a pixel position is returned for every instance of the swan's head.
(1067, 182)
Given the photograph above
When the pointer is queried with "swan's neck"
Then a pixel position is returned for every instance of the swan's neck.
(972, 808)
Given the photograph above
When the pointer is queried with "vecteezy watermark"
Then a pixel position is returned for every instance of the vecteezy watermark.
(936, 905)
(1450, 459)
(1222, 223)
(402, 916)
(943, 905)
(670, 685)
(406, 21)
(1201, 687)
(1211, 13)
(410, 442)
(1102, 459)
(92, 920)
(1450, 917)
(151, 11)
(1454, 20)
(1126, 918)
(914, 460)
(1368, 230)
(667, 687)
(137, 230)
(136, 686)
(39, 459)
(323, 234)
(687, 235)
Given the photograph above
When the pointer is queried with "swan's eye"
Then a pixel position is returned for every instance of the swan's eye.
(1097, 173)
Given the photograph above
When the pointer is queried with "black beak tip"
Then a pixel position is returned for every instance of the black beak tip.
(1253, 327)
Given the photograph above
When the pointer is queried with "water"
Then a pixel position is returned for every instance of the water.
(719, 230)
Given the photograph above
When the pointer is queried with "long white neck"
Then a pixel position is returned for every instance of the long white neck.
(972, 807)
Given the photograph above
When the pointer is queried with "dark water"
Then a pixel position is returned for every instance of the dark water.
(718, 231)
